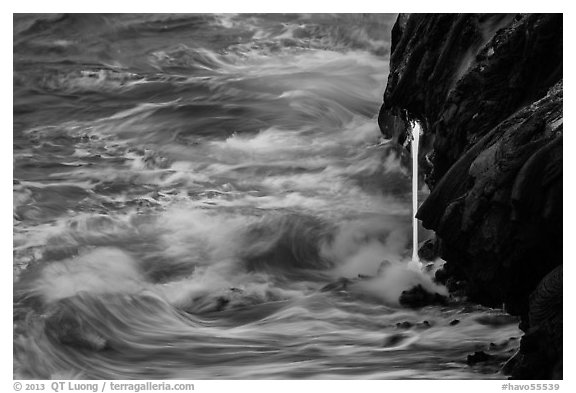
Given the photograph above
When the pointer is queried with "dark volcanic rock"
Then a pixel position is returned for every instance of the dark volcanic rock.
(478, 357)
(429, 250)
(424, 325)
(461, 75)
(541, 347)
(419, 297)
(404, 325)
(488, 89)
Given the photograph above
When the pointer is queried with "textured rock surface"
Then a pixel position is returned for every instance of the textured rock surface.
(418, 297)
(487, 90)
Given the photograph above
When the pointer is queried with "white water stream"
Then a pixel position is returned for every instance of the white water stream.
(415, 140)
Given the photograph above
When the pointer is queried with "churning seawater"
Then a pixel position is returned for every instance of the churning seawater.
(190, 190)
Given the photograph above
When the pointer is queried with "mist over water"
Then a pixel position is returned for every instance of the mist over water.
(208, 196)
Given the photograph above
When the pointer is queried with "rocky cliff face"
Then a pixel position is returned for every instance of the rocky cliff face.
(487, 90)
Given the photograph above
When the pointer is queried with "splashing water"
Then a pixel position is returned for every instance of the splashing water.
(415, 140)
(204, 196)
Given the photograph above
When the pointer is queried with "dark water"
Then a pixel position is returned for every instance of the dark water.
(185, 186)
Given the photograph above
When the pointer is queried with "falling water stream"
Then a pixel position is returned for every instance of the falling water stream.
(415, 141)
(205, 196)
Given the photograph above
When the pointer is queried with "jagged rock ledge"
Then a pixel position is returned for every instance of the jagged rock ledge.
(487, 90)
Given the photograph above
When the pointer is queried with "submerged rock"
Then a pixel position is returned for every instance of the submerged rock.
(408, 325)
(424, 325)
(478, 357)
(404, 325)
(488, 89)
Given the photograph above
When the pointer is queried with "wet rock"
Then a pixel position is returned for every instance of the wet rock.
(451, 278)
(496, 320)
(442, 275)
(418, 297)
(424, 325)
(429, 250)
(409, 325)
(478, 357)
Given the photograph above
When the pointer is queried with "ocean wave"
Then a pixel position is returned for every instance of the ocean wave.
(195, 193)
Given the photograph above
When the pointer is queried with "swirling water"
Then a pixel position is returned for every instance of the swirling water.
(189, 191)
